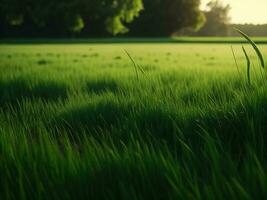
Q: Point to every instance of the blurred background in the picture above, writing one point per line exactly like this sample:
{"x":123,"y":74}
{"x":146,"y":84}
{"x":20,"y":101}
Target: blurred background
{"x":131,"y":18}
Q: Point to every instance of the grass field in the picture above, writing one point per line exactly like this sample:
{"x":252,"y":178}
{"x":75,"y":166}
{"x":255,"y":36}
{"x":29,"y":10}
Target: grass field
{"x":179,"y":40}
{"x":77,"y":122}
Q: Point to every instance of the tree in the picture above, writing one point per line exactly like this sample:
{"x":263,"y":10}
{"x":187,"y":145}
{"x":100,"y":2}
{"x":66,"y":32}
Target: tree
{"x":165,"y":17}
{"x":217,"y":19}
{"x":254,"y":30}
{"x":109,"y":15}
{"x":71,"y":16}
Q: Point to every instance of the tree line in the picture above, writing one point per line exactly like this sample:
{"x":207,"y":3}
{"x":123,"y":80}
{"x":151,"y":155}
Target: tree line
{"x":218,"y":23}
{"x":67,"y":17}
{"x":105,"y":18}
{"x":97,"y":17}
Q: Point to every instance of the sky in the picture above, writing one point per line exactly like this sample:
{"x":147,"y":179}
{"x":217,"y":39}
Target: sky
{"x":246,"y":11}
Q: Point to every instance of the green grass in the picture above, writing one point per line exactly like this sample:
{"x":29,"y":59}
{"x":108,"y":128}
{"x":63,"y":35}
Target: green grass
{"x":178,"y":39}
{"x":76,"y":123}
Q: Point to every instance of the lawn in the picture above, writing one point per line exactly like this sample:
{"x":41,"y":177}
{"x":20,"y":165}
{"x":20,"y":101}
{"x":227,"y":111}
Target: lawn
{"x":79,"y":121}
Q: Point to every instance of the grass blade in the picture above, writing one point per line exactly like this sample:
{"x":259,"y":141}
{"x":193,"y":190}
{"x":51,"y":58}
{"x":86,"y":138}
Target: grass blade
{"x":253,"y":44}
{"x":248,"y":64}
{"x":135,"y":66}
{"x":141,"y":69}
{"x":237,"y":67}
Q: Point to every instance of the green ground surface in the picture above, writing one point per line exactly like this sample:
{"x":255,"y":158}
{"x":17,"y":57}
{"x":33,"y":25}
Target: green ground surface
{"x":194,"y":40}
{"x":77,"y":122}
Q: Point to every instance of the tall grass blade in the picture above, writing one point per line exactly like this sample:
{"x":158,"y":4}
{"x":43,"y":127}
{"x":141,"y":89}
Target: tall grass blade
{"x":253,"y":44}
{"x":237,"y":67}
{"x":135,"y":65}
{"x":141,"y":69}
{"x":248,"y":64}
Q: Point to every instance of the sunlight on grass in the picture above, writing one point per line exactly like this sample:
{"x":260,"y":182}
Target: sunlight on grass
{"x":77,"y":124}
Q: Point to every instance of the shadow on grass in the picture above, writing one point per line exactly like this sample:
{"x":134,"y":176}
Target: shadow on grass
{"x":92,"y":117}
{"x":232,"y":126}
{"x":14,"y":91}
{"x":101,"y":86}
{"x":114,"y":176}
{"x":156,"y":122}
{"x":118,"y":121}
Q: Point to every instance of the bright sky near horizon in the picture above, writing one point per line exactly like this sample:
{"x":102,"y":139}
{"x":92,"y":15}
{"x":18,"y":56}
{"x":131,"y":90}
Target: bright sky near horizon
{"x":246,"y":11}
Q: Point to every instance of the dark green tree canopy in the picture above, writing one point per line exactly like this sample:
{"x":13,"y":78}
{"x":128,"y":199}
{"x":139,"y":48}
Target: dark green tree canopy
{"x":98,"y":17}
{"x":71,"y":15}
{"x":165,"y":17}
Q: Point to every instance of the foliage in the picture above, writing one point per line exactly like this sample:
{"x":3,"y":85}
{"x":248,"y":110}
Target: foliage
{"x":165,"y":17}
{"x":255,"y":30}
{"x":217,"y":19}
{"x":98,"y":18}
{"x":59,"y":17}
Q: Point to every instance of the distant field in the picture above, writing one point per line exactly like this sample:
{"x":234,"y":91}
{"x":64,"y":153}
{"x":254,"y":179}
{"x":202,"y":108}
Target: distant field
{"x":260,"y":40}
{"x":79,"y":121}
{"x":208,"y":40}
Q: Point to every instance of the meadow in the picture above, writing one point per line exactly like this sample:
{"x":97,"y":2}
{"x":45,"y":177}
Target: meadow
{"x":79,"y":121}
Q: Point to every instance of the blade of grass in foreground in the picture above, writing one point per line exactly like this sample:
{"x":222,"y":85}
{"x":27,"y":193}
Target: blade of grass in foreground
{"x":253,"y":44}
{"x":248,"y":64}
{"x":237,"y":67}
